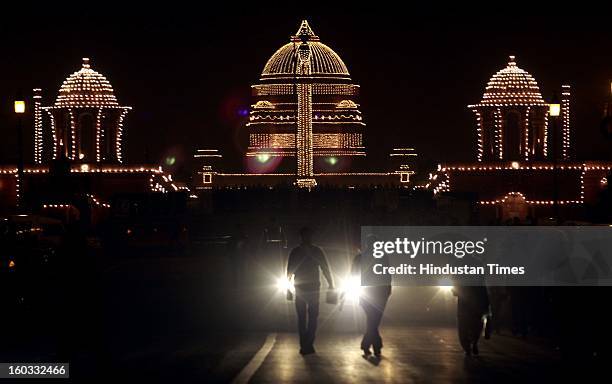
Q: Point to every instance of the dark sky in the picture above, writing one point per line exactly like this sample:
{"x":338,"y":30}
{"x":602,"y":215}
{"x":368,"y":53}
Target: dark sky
{"x":187,"y":74}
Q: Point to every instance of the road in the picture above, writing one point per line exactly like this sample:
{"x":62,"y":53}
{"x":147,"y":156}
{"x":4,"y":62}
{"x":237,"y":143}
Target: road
{"x":162,"y":320}
{"x":199,"y":330}
{"x":410,"y":355}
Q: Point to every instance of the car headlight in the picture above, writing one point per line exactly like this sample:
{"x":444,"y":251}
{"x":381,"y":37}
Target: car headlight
{"x":284,"y":284}
{"x":446,"y":286}
{"x":351,"y":288}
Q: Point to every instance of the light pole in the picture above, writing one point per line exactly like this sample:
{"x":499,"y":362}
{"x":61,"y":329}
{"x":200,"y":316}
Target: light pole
{"x":20,"y":108}
{"x":554,"y":110}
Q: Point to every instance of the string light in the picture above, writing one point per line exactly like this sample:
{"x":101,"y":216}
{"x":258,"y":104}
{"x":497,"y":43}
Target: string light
{"x":87,"y":92}
{"x":294,"y":112}
{"x":305,"y":108}
{"x":565,"y":121}
{"x":511,"y":90}
{"x":38,"y":126}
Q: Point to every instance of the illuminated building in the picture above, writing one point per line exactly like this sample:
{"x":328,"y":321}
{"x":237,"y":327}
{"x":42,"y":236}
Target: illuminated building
{"x":523,"y":165}
{"x":86,"y":121}
{"x":305,"y":125}
{"x":78,"y":150}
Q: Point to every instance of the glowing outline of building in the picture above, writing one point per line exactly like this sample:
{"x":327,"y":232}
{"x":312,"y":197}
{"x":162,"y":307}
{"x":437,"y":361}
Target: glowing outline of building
{"x":533,"y":176}
{"x":305,"y":126}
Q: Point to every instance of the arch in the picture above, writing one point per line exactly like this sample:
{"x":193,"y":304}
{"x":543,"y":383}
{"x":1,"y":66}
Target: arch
{"x":512,"y":135}
{"x":86,"y":148}
{"x":488,"y":135}
{"x":514,"y":205}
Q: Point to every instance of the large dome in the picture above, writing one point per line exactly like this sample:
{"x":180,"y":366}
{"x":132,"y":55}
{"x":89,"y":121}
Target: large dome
{"x":86,"y":88}
{"x":512,"y":86}
{"x":324,"y":60}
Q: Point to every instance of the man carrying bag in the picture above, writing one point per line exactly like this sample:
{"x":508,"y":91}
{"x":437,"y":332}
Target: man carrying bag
{"x":303,"y":266}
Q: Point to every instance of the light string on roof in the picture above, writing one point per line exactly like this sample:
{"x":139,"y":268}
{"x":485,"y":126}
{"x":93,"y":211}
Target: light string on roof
{"x":87,"y":92}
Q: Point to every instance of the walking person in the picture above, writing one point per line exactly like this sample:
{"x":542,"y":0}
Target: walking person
{"x":373,"y":300}
{"x":472,"y":306}
{"x":303,"y":266}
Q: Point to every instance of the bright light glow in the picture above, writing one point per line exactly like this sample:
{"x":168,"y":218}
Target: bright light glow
{"x":81,"y":156}
{"x":19,"y":106}
{"x":351,"y":289}
{"x":284,"y":284}
{"x":11,"y":264}
{"x":515,"y":165}
{"x":262,"y":158}
{"x":554,"y":109}
{"x":84,"y":168}
{"x":332,"y":160}
{"x":445,"y":288}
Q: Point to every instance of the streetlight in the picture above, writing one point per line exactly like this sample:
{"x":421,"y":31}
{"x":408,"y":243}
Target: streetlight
{"x":554,"y":110}
{"x":20,"y":107}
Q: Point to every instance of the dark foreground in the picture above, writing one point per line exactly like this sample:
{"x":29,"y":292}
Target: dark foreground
{"x":180,"y":320}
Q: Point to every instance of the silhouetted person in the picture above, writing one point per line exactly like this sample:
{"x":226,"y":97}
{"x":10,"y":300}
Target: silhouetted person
{"x":472,"y":305}
{"x":304,"y":263}
{"x":373,"y":299}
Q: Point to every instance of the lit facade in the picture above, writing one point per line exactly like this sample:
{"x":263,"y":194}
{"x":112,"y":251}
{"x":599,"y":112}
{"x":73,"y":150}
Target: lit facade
{"x":78,"y":150}
{"x":512,"y":117}
{"x":305,"y":116}
{"x":86,"y":121}
{"x":305,"y":125}
{"x":523,"y":164}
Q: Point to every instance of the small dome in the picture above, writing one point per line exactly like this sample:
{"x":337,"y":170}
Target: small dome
{"x":86,"y":88}
{"x":324,"y":61}
{"x":512,"y":86}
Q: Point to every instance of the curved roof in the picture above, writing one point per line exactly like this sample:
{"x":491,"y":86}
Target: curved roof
{"x":86,"y":88}
{"x":323,"y":61}
{"x":512,"y":86}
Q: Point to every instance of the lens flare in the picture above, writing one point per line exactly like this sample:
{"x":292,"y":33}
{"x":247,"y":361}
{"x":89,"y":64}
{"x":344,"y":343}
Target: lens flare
{"x":446,"y":286}
{"x":262,"y":158}
{"x":351,"y":288}
{"x":263,"y":163}
{"x":284,"y":284}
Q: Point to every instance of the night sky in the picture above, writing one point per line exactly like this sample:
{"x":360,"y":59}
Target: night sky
{"x":188,"y":74}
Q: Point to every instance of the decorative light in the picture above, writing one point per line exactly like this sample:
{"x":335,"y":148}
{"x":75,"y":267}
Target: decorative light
{"x":510,"y":90}
{"x":86,"y":92}
{"x":303,"y":94}
{"x":565,"y":121}
{"x":38,"y":126}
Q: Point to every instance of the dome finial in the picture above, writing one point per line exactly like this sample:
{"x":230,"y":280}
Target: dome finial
{"x":86,"y":62}
{"x":305,"y":33}
{"x":511,"y":60}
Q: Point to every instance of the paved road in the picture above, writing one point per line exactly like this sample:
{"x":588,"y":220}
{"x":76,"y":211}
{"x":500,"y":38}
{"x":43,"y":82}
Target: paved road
{"x":174,"y":320}
{"x":411,"y":355}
